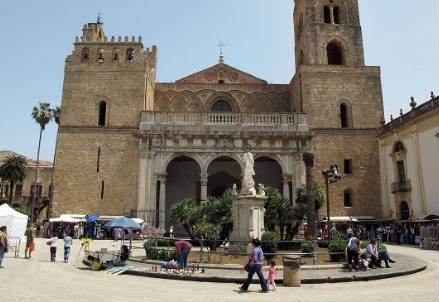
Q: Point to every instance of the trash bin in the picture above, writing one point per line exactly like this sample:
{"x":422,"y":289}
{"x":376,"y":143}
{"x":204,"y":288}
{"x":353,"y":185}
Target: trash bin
{"x":291,"y":271}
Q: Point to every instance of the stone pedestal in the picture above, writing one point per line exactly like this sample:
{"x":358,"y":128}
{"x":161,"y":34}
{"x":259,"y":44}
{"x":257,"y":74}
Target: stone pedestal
{"x":248,"y":220}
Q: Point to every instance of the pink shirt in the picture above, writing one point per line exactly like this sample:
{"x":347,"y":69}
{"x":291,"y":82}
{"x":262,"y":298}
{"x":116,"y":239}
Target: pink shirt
{"x":272,"y":271}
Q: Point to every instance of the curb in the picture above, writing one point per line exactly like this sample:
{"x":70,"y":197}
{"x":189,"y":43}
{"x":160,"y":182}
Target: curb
{"x":239,"y":280}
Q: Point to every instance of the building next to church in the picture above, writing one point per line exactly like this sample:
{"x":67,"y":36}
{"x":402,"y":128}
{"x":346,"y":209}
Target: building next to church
{"x":22,"y":193}
{"x":409,"y":159}
{"x":130,"y":145}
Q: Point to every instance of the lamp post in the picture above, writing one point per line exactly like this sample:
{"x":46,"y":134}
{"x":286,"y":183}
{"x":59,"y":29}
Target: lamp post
{"x":331,"y":175}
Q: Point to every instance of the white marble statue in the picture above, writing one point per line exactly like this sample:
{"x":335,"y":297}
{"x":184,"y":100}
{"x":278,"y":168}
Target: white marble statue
{"x":234,"y":190}
{"x":248,"y":184}
{"x":261,"y":190}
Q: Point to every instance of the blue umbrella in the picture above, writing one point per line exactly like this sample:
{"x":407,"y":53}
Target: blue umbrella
{"x":123,"y":223}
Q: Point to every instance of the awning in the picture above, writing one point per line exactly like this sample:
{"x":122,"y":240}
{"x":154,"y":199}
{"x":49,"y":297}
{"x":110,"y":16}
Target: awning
{"x":66,"y":219}
{"x":341,"y":219}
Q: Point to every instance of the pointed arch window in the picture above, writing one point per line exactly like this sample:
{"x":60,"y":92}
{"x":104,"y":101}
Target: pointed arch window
{"x":345,"y":116}
{"x":327,"y":15}
{"x":102,"y":113}
{"x":221,"y":106}
{"x":335,"y":54}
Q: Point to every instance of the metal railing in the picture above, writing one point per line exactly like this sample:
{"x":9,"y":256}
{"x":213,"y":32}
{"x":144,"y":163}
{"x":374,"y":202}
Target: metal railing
{"x":401,"y":186}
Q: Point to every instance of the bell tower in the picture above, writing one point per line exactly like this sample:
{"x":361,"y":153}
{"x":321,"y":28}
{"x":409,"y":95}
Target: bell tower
{"x":328,"y":32}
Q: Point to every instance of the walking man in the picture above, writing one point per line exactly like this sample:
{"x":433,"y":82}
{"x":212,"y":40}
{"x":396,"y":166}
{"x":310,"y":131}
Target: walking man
{"x":68,"y":241}
{"x":29,"y":241}
{"x":3,"y":243}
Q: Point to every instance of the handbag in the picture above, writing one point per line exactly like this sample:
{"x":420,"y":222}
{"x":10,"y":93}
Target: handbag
{"x":32,"y":247}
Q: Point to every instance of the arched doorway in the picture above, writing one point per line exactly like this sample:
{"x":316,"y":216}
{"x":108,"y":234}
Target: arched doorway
{"x":268,"y":172}
{"x":404,"y":210}
{"x":223,"y":173}
{"x":182,"y":181}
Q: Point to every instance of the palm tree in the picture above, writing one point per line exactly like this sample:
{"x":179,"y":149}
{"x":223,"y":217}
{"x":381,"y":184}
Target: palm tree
{"x":56,"y":117}
{"x":42,"y":114}
{"x":13,"y":170}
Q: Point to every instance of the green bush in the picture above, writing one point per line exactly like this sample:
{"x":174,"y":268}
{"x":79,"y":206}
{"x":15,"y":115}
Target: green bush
{"x":166,"y":253}
{"x":337,"y":246}
{"x":269,"y":242}
{"x":306,"y":247}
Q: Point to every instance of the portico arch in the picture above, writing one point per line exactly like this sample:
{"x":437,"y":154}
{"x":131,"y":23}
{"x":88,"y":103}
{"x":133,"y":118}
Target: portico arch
{"x":181,"y":181}
{"x":268,"y":172}
{"x":223,"y":172}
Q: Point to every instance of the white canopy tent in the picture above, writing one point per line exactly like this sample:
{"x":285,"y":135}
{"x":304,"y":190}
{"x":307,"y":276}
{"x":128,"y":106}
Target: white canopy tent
{"x":66,"y":219}
{"x":13,"y":220}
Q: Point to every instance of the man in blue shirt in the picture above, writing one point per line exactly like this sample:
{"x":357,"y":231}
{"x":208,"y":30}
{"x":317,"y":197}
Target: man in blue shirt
{"x":68,"y":241}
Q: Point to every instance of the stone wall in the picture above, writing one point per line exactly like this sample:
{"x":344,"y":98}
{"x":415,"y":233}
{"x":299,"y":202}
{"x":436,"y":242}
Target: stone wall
{"x":78,"y":184}
{"x":362,"y":148}
{"x":324,"y":88}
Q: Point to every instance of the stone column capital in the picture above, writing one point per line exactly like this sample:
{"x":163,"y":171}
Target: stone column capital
{"x":162,"y":177}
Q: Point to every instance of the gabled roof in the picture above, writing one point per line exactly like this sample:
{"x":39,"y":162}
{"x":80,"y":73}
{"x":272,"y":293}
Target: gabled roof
{"x":221,"y":73}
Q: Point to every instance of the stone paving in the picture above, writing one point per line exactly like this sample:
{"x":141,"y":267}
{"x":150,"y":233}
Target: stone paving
{"x":39,"y":280}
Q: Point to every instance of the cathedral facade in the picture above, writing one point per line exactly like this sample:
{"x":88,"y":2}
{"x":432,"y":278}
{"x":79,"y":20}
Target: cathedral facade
{"x":128,"y":145}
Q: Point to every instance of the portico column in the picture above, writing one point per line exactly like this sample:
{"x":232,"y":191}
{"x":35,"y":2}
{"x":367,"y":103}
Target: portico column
{"x":203,"y":188}
{"x":285,"y":186}
{"x":332,"y":15}
{"x":162,"y":202}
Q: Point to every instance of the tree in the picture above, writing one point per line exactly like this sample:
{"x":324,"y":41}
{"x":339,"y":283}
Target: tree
{"x":42,"y":114}
{"x":302,"y":200}
{"x":56,"y":117}
{"x":14,"y":171}
{"x":278,"y":211}
{"x":185,"y":213}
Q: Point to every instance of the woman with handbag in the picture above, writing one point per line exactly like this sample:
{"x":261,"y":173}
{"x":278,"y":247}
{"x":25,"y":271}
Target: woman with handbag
{"x":253,"y":266}
{"x":3,"y":243}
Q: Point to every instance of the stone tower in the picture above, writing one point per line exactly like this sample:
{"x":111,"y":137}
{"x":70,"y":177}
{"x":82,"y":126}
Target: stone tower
{"x":342,"y":98}
{"x":107,"y":83}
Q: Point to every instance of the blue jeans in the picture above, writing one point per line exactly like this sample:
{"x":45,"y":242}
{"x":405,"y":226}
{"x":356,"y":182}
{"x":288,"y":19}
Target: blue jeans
{"x":182,"y":261}
{"x":52,"y":254}
{"x":2,"y":254}
{"x":66,"y":253}
{"x":258,"y":270}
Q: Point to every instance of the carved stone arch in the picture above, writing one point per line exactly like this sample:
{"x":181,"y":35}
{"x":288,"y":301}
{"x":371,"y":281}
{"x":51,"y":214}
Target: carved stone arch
{"x":193,"y":102}
{"x":247,"y":104}
{"x":263,"y":102}
{"x":170,"y":157}
{"x":161,"y":102}
{"x":205,"y":94}
{"x":221,"y":96}
{"x":345,"y":114}
{"x":212,"y":157}
{"x":278,"y":159}
{"x":178,"y":104}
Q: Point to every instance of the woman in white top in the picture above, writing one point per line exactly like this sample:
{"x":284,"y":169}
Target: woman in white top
{"x":52,"y":243}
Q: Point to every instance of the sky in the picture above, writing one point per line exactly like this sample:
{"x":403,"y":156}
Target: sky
{"x":401,"y":36}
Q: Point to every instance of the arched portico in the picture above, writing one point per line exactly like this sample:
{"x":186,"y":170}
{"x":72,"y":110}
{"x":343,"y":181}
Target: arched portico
{"x":222,"y":173}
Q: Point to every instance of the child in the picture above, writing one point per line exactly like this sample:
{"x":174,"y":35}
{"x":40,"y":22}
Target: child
{"x":272,"y":271}
{"x":364,"y":264}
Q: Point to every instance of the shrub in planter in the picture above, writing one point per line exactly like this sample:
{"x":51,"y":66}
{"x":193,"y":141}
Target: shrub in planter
{"x":269,"y":242}
{"x":306,"y":247}
{"x":337,"y":246}
{"x":154,"y":253}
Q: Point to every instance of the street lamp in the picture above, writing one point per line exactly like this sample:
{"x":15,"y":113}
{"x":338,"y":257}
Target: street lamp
{"x":331,"y":175}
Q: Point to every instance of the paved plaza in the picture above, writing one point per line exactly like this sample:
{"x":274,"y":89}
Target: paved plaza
{"x":40,"y":280}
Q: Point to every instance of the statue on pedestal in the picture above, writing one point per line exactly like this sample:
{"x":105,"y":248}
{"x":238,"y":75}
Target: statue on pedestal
{"x":248,"y":184}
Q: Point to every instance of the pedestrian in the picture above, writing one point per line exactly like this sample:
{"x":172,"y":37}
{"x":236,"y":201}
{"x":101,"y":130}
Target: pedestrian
{"x":3,"y":244}
{"x":253,"y":266}
{"x":29,"y":242}
{"x":353,"y":251}
{"x":183,"y":249}
{"x":272,"y":272}
{"x":52,"y":243}
{"x":68,"y":241}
